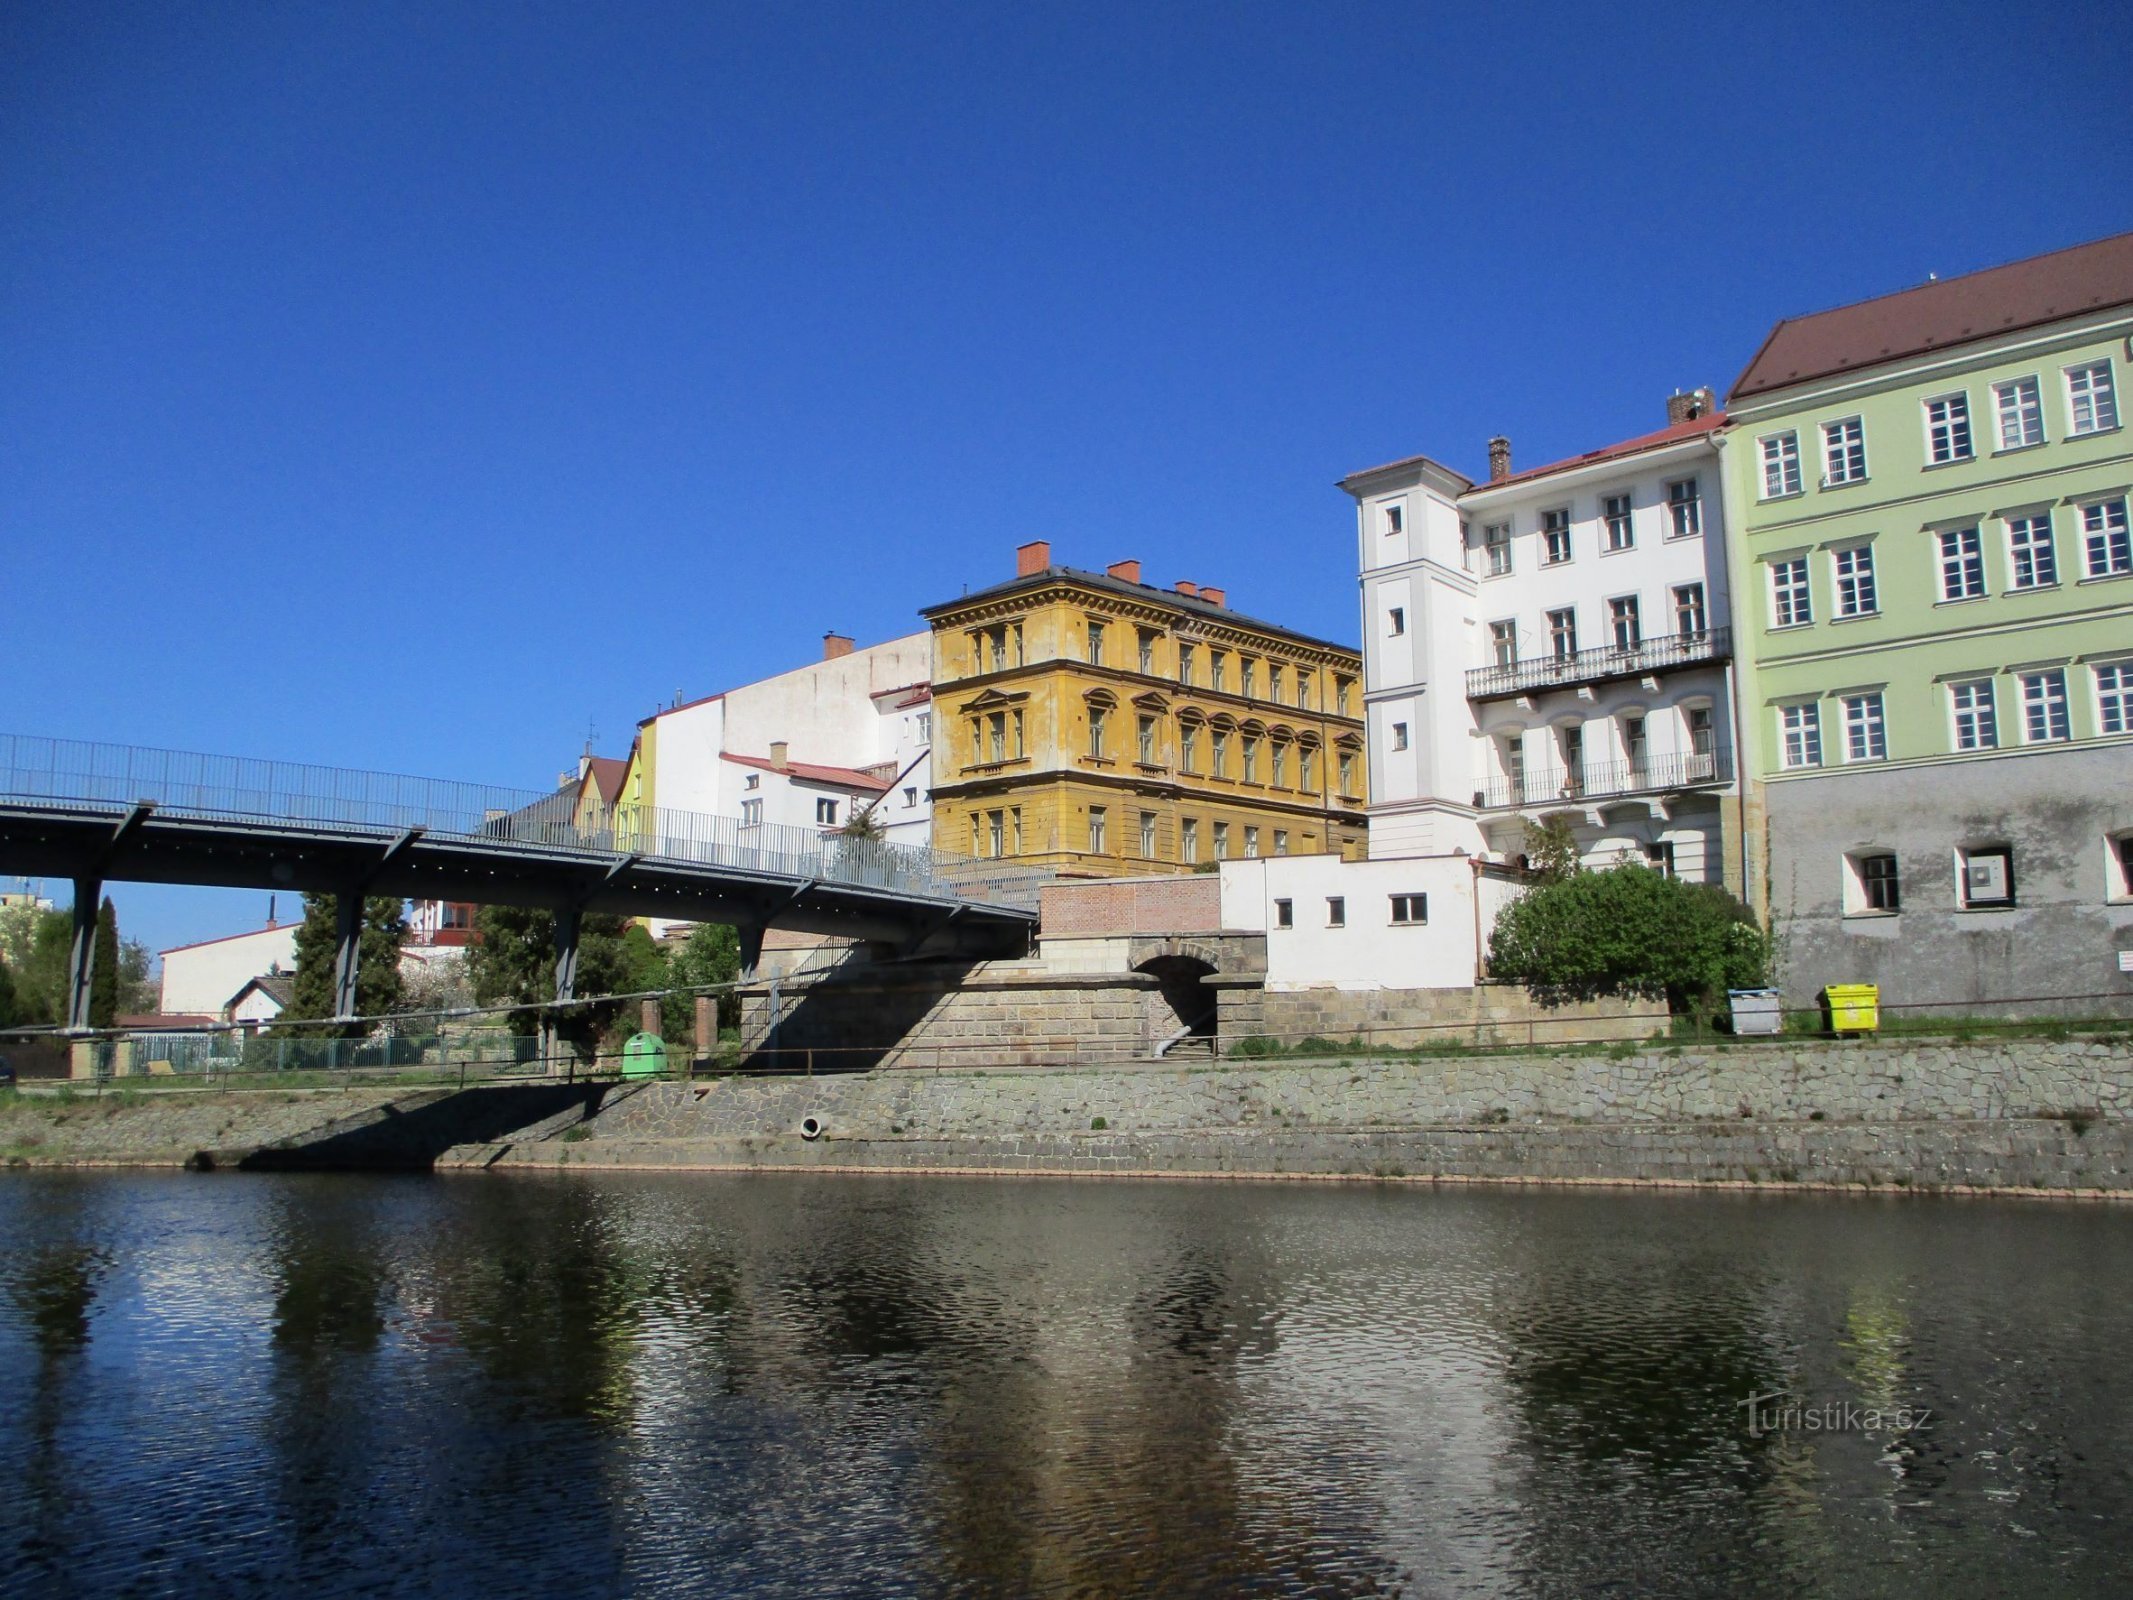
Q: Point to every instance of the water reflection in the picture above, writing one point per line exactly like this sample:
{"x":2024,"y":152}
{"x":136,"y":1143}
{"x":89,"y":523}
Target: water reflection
{"x":799,"y":1386}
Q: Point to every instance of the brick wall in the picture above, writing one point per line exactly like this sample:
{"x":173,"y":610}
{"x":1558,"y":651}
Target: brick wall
{"x":1190,"y":904}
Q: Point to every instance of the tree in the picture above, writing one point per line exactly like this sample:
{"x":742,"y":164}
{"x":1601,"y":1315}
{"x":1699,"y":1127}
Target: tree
{"x":712,"y":954}
{"x":104,"y":974}
{"x":384,"y":924}
{"x":1552,"y":852}
{"x":43,"y":985}
{"x":10,"y":1009}
{"x":513,"y":963}
{"x":137,"y":990}
{"x":1632,"y":932}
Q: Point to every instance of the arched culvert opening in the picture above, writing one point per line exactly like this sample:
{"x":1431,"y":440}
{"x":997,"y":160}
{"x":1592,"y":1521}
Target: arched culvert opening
{"x":1186,"y":1014}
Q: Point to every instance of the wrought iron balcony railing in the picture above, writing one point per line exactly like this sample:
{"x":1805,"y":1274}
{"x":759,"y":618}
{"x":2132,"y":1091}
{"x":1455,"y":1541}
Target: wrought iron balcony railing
{"x":1604,"y":780}
{"x":1657,"y":654}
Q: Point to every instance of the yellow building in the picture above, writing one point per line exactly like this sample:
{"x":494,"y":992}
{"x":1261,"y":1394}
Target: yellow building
{"x":1098,"y":725}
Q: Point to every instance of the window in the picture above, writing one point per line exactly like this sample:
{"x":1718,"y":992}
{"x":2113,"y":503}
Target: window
{"x":1700,"y":731}
{"x":1555,"y":537}
{"x":1635,"y":746}
{"x":2122,"y":853}
{"x":1281,"y":841}
{"x":1185,"y":663}
{"x":1147,"y":741}
{"x":1097,"y":717}
{"x":1622,"y":618}
{"x":1514,"y":768}
{"x":1976,"y":725}
{"x":1948,"y":429}
{"x":1788,"y":593}
{"x":1855,"y":581}
{"x":2114,"y":697}
{"x":1689,"y":614}
{"x":1399,"y":736}
{"x":1496,"y":541}
{"x":1096,"y":644}
{"x":1336,"y":911}
{"x":1189,"y":747}
{"x":1306,"y":768}
{"x":2103,"y":539}
{"x":2044,"y":713}
{"x":996,"y":736}
{"x":1273,"y":680}
{"x":2091,"y":403}
{"x":1563,"y":633}
{"x":1303,"y":690}
{"x":1347,"y":768}
{"x":1341,"y":686}
{"x":1781,"y":465}
{"x":1466,"y":546}
{"x":1097,"y":819}
{"x":1962,"y":565}
{"x":1248,"y":671}
{"x":910,"y":798}
{"x":2020,"y":409}
{"x":1395,"y":518}
{"x":1988,"y":876}
{"x":1843,"y":452}
{"x":1571,"y":741}
{"x":1409,"y":910}
{"x":996,"y":833}
{"x":1251,"y":844}
{"x":1217,"y":670}
{"x":2030,"y":556}
{"x":996,"y":649}
{"x":1684,"y":509}
{"x":826,"y":813}
{"x":755,"y":781}
{"x":1221,"y":841}
{"x":1880,"y":889}
{"x":1220,"y":741}
{"x":1801,"y":726}
{"x":1503,"y":643}
{"x":1189,"y":839}
{"x":1395,"y":624}
{"x":1659,"y":856}
{"x":1284,"y":913}
{"x":1251,"y":758}
{"x":925,"y":727}
{"x":1865,"y":734}
{"x":1280,"y":762}
{"x":1147,"y":654}
{"x":1147,"y":835}
{"x":1614,"y":511}
{"x":751,"y":813}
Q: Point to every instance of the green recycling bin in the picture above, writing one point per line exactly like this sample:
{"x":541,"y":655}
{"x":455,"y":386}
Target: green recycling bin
{"x":645,"y":1056}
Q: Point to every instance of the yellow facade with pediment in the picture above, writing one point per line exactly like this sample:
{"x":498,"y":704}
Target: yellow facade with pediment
{"x":1099,"y":726}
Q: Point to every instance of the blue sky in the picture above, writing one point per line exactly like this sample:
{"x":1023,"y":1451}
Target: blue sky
{"x":414,"y":386}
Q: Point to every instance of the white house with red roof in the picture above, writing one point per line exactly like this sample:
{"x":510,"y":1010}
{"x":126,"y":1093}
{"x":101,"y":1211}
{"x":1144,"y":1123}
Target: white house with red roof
{"x":1554,"y":641}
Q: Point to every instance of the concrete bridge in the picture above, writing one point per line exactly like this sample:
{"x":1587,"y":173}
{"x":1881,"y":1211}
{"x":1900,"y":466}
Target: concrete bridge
{"x":98,"y":813}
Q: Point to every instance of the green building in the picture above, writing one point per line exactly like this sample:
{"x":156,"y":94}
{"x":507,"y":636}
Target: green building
{"x":1927,"y":499}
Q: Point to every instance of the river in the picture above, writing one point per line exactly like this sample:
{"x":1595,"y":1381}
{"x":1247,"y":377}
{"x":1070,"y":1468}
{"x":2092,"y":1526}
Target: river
{"x":782,"y":1385}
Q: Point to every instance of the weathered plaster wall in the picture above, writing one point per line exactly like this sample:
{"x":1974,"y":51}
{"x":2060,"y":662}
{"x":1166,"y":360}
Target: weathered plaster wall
{"x":2062,"y":938}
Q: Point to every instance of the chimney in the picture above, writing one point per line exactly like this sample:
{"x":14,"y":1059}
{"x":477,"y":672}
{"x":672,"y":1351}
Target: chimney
{"x":1188,"y":589}
{"x":1033,"y":558}
{"x":1499,"y":459}
{"x":1687,"y":407}
{"x":835,"y":645}
{"x":778,"y":749}
{"x":1124,"y":571}
{"x":1212,"y":596}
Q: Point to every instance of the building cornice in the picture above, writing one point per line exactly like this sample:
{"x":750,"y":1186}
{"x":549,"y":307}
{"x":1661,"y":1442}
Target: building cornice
{"x":1486,"y":497}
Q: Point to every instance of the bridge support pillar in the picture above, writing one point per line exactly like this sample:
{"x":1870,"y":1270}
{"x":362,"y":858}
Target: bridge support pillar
{"x":751,"y":949}
{"x":566,"y":979}
{"x":81,"y":958}
{"x":347,"y":952}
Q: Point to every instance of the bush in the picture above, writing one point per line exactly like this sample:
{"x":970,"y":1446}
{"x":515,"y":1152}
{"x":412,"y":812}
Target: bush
{"x":1634,"y":933}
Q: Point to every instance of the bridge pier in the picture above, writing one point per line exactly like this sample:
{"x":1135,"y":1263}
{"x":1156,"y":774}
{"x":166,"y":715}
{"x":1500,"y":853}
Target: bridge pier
{"x":347,"y":952}
{"x":751,"y":936}
{"x":81,"y":958}
{"x":566,"y":979}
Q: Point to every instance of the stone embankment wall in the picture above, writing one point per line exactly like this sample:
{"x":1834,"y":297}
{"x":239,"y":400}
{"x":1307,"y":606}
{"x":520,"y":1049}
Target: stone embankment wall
{"x":1491,"y":1015}
{"x":2031,"y":1114}
{"x":167,"y":1126}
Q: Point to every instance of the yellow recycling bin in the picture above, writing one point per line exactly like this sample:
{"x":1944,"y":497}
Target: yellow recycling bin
{"x":1853,"y":1007}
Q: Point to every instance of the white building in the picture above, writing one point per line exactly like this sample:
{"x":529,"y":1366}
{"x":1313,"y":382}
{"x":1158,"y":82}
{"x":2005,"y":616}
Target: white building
{"x":1412,"y":923}
{"x":201,"y":979}
{"x":807,"y":748}
{"x":1555,"y":641}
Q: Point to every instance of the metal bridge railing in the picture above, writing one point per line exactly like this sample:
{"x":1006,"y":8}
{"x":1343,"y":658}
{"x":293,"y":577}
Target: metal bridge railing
{"x":190,"y":784}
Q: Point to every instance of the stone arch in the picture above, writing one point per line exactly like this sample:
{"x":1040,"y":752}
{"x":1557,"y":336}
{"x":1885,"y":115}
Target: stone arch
{"x":1183,"y":1010}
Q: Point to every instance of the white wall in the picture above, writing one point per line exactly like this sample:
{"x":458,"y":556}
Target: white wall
{"x":199,"y":979}
{"x":825,"y":711}
{"x":1370,"y":951}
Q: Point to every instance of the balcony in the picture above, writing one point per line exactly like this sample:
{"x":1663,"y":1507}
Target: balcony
{"x":1606,"y":781}
{"x":1659,"y":654}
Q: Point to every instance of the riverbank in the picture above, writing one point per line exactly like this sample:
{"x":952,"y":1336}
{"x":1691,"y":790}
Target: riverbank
{"x":2009,"y":1116}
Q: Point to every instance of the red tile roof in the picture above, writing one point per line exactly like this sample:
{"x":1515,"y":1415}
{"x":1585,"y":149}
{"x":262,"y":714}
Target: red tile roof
{"x":606,"y":774}
{"x":1711,"y":422}
{"x":808,"y":772}
{"x":1937,"y":316}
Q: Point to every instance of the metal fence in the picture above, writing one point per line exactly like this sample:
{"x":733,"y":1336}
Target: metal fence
{"x":1595,"y":780}
{"x":191,"y":784}
{"x":1657,"y":654}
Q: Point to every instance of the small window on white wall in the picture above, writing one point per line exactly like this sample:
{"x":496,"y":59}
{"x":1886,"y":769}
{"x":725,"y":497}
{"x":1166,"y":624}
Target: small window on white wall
{"x":1396,"y":621}
{"x":1409,"y":910}
{"x":1399,"y":736}
{"x":2122,"y":867}
{"x":1395,"y":518}
{"x":1284,"y":913}
{"x":1985,"y":877}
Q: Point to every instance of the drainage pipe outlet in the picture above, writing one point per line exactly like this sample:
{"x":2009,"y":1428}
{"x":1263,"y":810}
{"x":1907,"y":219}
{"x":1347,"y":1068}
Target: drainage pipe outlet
{"x":810,"y":1128}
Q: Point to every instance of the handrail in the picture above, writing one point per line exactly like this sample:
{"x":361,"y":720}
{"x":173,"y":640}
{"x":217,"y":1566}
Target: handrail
{"x":1600,"y":780}
{"x":1602,"y":661}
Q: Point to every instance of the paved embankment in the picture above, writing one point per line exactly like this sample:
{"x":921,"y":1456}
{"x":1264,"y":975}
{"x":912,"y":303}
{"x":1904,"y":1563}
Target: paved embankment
{"x":2007,"y":1115}
{"x":2032,"y":1114}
